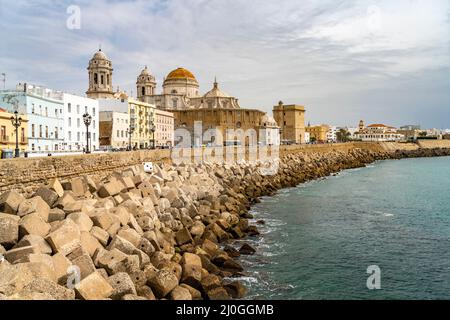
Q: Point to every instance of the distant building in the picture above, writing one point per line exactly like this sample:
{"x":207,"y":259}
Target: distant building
{"x":332,"y":134}
{"x":291,"y":120}
{"x":307,"y":137}
{"x":410,"y":127}
{"x":8,"y":132}
{"x":269,"y":132}
{"x":100,"y":77}
{"x":164,"y":129}
{"x":114,"y":128}
{"x":318,"y":133}
{"x":379,"y":132}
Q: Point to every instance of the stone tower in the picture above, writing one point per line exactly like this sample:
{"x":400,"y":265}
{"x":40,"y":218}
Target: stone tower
{"x":361,"y":126}
{"x":145,"y":86}
{"x":100,"y":77}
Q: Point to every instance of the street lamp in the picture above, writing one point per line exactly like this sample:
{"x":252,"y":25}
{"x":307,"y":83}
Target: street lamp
{"x":87,"y":119}
{"x":16,"y":122}
{"x":153,"y":129}
{"x":130,"y":131}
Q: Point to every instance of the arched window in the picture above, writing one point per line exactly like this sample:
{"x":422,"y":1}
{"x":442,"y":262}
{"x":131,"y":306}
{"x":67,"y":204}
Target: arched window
{"x":143,"y":91}
{"x":107,"y":79}
{"x":238,"y":124}
{"x":174,"y":91}
{"x":101,"y":79}
{"x":95,"y":78}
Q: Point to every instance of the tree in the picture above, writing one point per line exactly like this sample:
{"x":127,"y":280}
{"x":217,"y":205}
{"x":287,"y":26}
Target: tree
{"x":343,"y":135}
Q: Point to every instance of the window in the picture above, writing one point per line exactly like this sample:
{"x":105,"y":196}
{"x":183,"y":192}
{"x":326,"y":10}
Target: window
{"x":78,"y":109}
{"x":46,"y":111}
{"x":32,"y":108}
{"x":85,"y":109}
{"x":40,"y":131}
{"x":95,"y":78}
{"x":46,"y":132}
{"x":70,"y":122}
{"x":175,"y":102}
{"x":69,"y":107}
{"x":78,"y":122}
{"x":121,"y":133}
{"x":70,"y":135}
{"x":78,"y":136}
{"x":93,"y":124}
{"x":32,"y":130}
{"x":32,"y":147}
{"x":143,"y":91}
{"x":3,"y":133}
{"x":107,"y":79}
{"x":56,"y":132}
{"x":93,"y":111}
{"x":118,"y":134}
{"x":56,"y":113}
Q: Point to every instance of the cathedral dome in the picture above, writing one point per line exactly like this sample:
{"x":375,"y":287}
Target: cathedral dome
{"x":145,"y":72}
{"x":100,"y":55}
{"x":215,"y":92}
{"x":180,"y":73}
{"x":268,"y":121}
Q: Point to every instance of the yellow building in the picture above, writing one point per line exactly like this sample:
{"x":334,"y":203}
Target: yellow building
{"x":142,"y":118}
{"x":291,"y":120}
{"x":318,"y":133}
{"x":8,"y":132}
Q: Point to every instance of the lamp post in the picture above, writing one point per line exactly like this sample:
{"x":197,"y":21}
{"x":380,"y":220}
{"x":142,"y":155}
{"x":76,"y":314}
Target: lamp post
{"x":153,"y":129}
{"x":130,"y":131}
{"x":87,"y":119}
{"x":16,"y":122}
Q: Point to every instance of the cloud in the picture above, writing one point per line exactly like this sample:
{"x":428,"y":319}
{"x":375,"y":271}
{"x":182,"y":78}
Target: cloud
{"x":344,"y":60}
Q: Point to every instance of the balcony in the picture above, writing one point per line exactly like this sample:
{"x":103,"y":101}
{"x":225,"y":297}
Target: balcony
{"x":4,"y":139}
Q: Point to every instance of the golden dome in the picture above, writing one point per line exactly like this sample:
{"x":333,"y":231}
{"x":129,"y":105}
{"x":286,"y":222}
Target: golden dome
{"x":181,"y":73}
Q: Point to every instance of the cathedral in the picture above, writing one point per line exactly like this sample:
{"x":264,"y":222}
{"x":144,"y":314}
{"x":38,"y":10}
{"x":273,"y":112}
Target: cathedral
{"x":181,"y":96}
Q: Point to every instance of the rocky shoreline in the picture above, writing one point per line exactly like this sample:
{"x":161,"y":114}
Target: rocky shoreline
{"x":136,"y":235}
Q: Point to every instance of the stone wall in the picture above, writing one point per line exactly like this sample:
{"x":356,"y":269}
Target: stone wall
{"x":432,"y":144}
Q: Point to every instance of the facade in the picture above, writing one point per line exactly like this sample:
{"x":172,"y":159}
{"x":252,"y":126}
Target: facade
{"x":307,"y":137}
{"x":332,"y":134}
{"x":164,"y":129}
{"x":44,"y":108}
{"x":269,"y":132}
{"x":100,"y":77}
{"x":74,"y":128}
{"x":379,"y":132}
{"x":291,"y":119}
{"x":114,"y":128}
{"x":8,"y":132}
{"x":318,"y":133}
{"x":142,"y":117}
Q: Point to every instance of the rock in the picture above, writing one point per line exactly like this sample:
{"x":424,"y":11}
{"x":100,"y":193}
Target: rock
{"x":218,"y":293}
{"x":65,"y":237}
{"x":232,"y":252}
{"x":89,"y":243}
{"x":101,"y":235}
{"x":113,"y":261}
{"x":21,"y":254}
{"x":61,"y":265}
{"x":163,"y":282}
{"x":56,"y":214}
{"x":236,"y":290}
{"x":9,"y":229}
{"x":94,"y":287}
{"x":56,"y":291}
{"x":122,"y":285}
{"x":78,"y":187}
{"x":197,"y":229}
{"x":85,"y":264}
{"x":33,"y":224}
{"x":56,"y":186}
{"x":146,"y":292}
{"x":40,"y":258}
{"x":130,"y":235}
{"x":105,"y":220}
{"x":34,"y":205}
{"x":132,"y":297}
{"x":183,"y":236}
{"x":65,"y":200}
{"x":109,"y":189}
{"x":122,"y":214}
{"x":10,"y":201}
{"x":180,"y":293}
{"x":210,"y":282}
{"x":210,"y":247}
{"x":195,"y":294}
{"x":247,"y":249}
{"x":82,"y":220}
{"x":48,"y":195}
{"x":35,"y":241}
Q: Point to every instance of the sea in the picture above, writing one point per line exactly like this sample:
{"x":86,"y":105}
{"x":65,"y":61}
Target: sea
{"x":379,"y":232}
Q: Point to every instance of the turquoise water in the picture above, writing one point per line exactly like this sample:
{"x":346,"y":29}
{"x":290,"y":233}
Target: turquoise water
{"x":320,"y":237}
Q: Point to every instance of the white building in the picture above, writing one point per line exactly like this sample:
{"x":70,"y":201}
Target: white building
{"x":307,"y":137}
{"x":379,"y":132}
{"x":114,"y":129}
{"x":332,"y":134}
{"x":269,"y":132}
{"x":74,"y":128}
{"x":164,"y":128}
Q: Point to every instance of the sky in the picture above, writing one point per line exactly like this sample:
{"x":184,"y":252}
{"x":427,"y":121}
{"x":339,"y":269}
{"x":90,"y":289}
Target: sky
{"x":380,"y":61}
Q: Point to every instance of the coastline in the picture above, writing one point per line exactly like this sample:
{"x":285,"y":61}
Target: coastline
{"x":166,"y":233}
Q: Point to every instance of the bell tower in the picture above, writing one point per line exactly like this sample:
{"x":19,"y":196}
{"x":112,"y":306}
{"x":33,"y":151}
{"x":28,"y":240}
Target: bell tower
{"x":100,"y":77}
{"x":145,"y":85}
